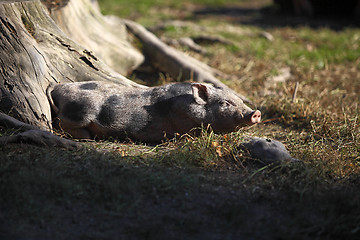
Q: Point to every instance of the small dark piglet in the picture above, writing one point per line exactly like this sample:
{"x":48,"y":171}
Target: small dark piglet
{"x":98,"y":109}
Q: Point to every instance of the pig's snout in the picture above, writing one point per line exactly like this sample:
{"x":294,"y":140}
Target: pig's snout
{"x":255,"y":117}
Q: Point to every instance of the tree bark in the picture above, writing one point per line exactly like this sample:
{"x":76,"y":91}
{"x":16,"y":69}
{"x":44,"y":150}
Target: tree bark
{"x":107,"y":37}
{"x":36,"y":52}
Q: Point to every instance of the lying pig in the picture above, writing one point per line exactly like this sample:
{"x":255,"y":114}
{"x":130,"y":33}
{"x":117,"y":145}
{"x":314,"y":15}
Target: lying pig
{"x":103,"y":110}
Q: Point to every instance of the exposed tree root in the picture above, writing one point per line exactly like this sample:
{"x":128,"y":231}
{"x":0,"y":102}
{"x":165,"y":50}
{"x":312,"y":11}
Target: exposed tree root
{"x":186,"y":42}
{"x":177,"y":64}
{"x":33,"y":135}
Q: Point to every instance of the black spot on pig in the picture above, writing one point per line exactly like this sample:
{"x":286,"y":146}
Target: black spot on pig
{"x":107,"y":113}
{"x":88,"y":86}
{"x":75,"y":111}
{"x":138,"y":117}
{"x":162,"y":108}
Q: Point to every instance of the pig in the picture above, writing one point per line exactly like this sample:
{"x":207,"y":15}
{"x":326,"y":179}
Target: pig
{"x":103,"y":110}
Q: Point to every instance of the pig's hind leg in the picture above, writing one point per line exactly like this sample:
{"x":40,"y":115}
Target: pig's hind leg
{"x":80,"y":133}
{"x":74,"y":131}
{"x":90,"y":131}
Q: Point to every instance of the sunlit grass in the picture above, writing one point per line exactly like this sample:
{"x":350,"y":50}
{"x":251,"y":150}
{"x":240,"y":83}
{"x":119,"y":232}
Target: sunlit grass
{"x":142,"y":7}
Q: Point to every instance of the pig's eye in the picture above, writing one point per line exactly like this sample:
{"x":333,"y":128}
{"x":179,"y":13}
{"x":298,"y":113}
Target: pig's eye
{"x":228,"y":103}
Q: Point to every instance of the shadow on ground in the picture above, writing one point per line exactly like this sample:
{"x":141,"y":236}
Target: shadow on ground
{"x":94,"y":195}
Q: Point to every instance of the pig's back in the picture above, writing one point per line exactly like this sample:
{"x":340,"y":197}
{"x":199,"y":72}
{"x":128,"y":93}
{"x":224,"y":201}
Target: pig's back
{"x":82,"y":102}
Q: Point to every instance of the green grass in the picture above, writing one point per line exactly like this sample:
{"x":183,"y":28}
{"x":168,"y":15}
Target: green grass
{"x":143,"y":7}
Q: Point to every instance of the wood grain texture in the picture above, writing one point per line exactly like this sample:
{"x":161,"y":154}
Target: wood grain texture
{"x":35,"y":52}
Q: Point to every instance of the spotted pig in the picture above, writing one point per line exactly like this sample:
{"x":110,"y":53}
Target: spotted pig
{"x":103,"y":110}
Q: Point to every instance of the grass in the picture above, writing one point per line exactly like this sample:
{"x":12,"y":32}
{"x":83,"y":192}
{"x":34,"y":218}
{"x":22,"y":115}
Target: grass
{"x":207,"y":187}
{"x":144,"y":7}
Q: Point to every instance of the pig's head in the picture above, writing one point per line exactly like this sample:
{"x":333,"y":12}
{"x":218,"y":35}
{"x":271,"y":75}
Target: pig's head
{"x":224,"y":111}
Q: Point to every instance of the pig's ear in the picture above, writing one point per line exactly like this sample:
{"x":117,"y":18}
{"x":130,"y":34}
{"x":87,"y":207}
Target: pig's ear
{"x":201,"y":93}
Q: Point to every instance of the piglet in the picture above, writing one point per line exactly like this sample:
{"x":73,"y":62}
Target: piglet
{"x":103,"y":110}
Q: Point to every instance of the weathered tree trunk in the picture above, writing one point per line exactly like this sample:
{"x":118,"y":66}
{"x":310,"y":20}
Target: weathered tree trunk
{"x":105,"y":36}
{"x":36,"y":52}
